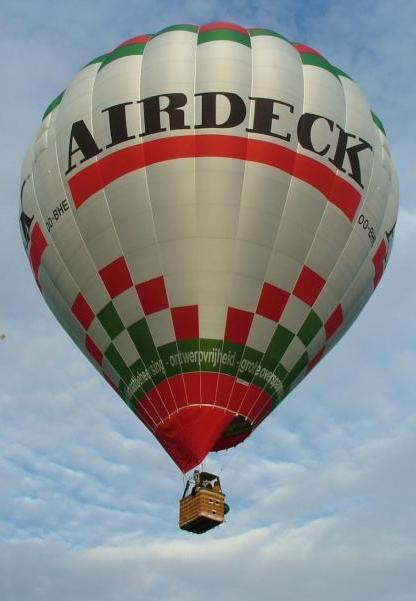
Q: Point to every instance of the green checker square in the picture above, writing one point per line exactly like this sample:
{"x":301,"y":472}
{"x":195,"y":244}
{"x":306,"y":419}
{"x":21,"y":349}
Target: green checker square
{"x":310,"y":328}
{"x":137,"y":367}
{"x":296,"y":371}
{"x":276,"y":400}
{"x":142,"y":338}
{"x":110,"y":321}
{"x":279,"y":344}
{"x":117,"y":362}
{"x":280,"y":372}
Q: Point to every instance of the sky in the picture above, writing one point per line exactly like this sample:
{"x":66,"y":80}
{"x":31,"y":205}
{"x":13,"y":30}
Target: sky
{"x":323,"y":494}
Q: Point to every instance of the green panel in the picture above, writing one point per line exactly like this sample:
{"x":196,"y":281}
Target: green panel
{"x":250,"y":362}
{"x":55,"y":102}
{"x":117,"y":362}
{"x":204,"y":355}
{"x":256,"y":32}
{"x":231,"y":357}
{"x":143,"y":341}
{"x":110,"y":320}
{"x":213,"y":357}
{"x":278,"y":345}
{"x":145,"y":377}
{"x":183,"y":27}
{"x":171,"y":359}
{"x":281,"y":372}
{"x":378,"y":122}
{"x":129,"y":50}
{"x":297,"y":369}
{"x":224,"y":34}
{"x":189,"y":354}
{"x":310,"y":328}
{"x":99,"y":59}
{"x":339,"y":72}
{"x":318,"y":61}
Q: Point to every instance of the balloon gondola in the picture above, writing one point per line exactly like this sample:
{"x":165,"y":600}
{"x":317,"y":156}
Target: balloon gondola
{"x":206,"y":210}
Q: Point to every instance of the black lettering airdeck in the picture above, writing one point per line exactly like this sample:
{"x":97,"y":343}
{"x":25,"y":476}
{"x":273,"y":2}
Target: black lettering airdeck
{"x":268,"y":116}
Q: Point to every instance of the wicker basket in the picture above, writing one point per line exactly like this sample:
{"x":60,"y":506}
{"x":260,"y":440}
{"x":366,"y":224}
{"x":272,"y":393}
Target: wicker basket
{"x":202,"y":511}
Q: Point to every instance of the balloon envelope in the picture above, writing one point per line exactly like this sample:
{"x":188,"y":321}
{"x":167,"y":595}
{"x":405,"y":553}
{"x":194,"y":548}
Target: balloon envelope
{"x":206,"y":211}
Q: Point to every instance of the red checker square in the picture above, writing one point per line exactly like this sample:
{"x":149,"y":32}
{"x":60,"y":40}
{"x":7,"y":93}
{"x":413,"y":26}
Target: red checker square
{"x":116,"y":277}
{"x":152,"y":295}
{"x":272,"y":302}
{"x":380,"y":254}
{"x":309,"y":285}
{"x":238,"y":325}
{"x":93,"y":350}
{"x":186,"y":322}
{"x":38,"y":244}
{"x":333,"y":322}
{"x":208,"y":387}
{"x":82,"y":311}
{"x":316,"y":360}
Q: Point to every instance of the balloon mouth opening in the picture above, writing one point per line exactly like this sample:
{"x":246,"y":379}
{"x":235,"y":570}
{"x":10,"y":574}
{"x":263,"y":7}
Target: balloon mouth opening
{"x":193,"y":431}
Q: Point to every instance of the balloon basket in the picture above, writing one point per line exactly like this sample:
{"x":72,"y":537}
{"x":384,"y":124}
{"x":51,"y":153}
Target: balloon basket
{"x":202,"y":511}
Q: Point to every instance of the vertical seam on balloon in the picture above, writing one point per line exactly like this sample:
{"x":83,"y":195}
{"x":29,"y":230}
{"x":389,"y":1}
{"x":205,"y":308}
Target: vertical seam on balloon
{"x":334,"y":175}
{"x":359,"y":209}
{"x":232,"y":270}
{"x":161,"y":266}
{"x":196,"y":204}
{"x":358,"y":305}
{"x":108,"y":207}
{"x":67,"y":193}
{"x":275,"y":240}
{"x":52,"y":244}
{"x":109,"y":213}
{"x":64,"y":318}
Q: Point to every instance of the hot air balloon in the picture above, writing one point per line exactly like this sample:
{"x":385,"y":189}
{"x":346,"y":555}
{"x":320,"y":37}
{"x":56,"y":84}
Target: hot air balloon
{"x":206,"y":210}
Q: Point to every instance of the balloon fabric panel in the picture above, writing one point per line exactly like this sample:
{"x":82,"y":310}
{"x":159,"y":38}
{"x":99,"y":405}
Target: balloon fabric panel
{"x":206,"y":211}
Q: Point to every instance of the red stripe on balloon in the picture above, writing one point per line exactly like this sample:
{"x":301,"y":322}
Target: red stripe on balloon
{"x":95,"y":177}
{"x":38,"y":245}
{"x":306,"y":49}
{"x":222,"y":25}
{"x":141,"y":39}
